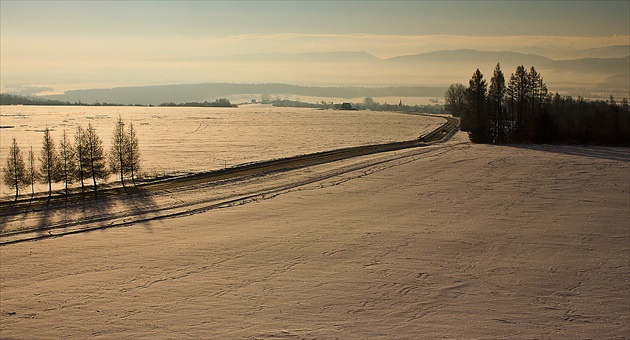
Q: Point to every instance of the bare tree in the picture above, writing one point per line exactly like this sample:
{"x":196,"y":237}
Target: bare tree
{"x":32,"y":176}
{"x":454,"y":97}
{"x":96,"y":165}
{"x":118,"y":158}
{"x":15,"y":175}
{"x":50,"y":169}
{"x":81,"y":156}
{"x":69,"y":163}
{"x":133,"y":153}
{"x":369,"y":103}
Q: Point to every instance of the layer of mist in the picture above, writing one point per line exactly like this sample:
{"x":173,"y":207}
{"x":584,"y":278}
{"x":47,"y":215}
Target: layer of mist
{"x":592,"y":73}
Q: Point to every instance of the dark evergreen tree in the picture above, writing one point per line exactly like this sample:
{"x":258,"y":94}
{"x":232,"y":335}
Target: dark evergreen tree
{"x":545,"y":128}
{"x":518,"y":92}
{"x":531,"y":120}
{"x":476,"y":109}
{"x":496,"y":96}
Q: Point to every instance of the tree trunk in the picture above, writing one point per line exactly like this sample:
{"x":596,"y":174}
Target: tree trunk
{"x":49,"y":181}
{"x":122,"y":177}
{"x":94,"y":179}
{"x":133,"y":177}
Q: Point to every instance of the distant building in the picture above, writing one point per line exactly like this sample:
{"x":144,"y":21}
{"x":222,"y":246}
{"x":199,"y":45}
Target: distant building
{"x":346,"y":106}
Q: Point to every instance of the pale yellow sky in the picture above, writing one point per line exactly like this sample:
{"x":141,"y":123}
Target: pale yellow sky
{"x":67,"y":44}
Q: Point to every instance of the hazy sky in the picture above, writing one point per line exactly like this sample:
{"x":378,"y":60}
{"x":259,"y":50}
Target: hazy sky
{"x":66,"y":43}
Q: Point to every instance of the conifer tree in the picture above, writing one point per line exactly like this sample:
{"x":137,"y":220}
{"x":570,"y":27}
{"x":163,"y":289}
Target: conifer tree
{"x":81,"y":156}
{"x":118,"y":157}
{"x":532,"y":119}
{"x":518,"y":92}
{"x":133,"y":153}
{"x":32,"y":176}
{"x":69,"y":163}
{"x":496,"y":94}
{"x":476,"y":98}
{"x":96,"y":164}
{"x":15,"y":175}
{"x":50,"y":167}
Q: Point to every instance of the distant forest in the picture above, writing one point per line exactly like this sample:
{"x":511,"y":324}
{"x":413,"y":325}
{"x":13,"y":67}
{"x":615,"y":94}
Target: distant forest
{"x":522,"y":110}
{"x":12,"y":99}
{"x":221,"y":102}
{"x":367,"y":104}
{"x":183,"y":93}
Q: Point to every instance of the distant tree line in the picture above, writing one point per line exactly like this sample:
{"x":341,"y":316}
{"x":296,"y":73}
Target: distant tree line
{"x":522,"y":110}
{"x":182,"y":93}
{"x":74,"y":160}
{"x":370,"y":104}
{"x":13,"y":99}
{"x":221,"y":102}
{"x":367,"y":104}
{"x":297,"y":103}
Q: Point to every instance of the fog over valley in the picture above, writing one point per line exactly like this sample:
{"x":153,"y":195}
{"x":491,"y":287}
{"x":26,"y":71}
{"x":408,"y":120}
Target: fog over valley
{"x":57,"y":47}
{"x":400,"y":169}
{"x":592,"y":77}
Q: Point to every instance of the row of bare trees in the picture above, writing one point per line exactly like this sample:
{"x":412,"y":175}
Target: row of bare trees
{"x":522,"y":110}
{"x":76,"y":160}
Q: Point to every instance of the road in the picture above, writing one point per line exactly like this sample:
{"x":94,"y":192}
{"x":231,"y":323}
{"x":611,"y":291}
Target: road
{"x":30,"y":219}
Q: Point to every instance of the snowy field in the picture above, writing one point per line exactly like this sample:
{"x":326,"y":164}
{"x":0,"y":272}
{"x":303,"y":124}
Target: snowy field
{"x":449,"y":241}
{"x":182,"y":140}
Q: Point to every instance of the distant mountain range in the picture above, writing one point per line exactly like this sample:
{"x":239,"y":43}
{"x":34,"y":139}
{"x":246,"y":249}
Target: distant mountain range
{"x":613,"y":55}
{"x":471,"y":56}
{"x":311,"y":57}
{"x":560,"y":53}
{"x":594,"y":71}
{"x":604,"y":65}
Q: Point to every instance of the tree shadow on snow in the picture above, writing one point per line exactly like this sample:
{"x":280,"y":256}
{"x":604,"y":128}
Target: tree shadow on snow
{"x":141,"y":206}
{"x":620,"y":154}
{"x":86,"y":211}
{"x":92,"y":208}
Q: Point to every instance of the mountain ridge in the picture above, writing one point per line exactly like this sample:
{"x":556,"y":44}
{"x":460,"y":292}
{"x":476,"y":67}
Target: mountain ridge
{"x":180,"y":93}
{"x":449,"y":66}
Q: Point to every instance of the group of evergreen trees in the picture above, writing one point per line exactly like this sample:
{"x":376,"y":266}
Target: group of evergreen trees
{"x":523,"y":111}
{"x":77,"y":160}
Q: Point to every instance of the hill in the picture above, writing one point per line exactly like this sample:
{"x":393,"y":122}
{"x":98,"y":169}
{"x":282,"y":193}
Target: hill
{"x":418,"y":75}
{"x":181,"y":93}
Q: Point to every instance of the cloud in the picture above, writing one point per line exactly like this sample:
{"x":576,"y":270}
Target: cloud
{"x":120,"y":60}
{"x":386,"y":46}
{"x":25,"y":90}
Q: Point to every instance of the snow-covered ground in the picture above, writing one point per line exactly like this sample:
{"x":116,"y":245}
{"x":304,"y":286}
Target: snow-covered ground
{"x":454,"y":240}
{"x":181,"y":140}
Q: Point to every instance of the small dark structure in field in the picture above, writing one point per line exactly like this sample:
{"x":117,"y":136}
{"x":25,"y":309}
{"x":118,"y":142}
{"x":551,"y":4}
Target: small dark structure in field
{"x":346,"y":106}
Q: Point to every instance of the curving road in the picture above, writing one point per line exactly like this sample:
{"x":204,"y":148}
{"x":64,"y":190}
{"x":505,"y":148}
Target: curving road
{"x":144,"y":196}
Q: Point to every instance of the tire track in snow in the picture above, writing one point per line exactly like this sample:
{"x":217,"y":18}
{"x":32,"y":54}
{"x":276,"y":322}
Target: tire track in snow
{"x":205,"y":180}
